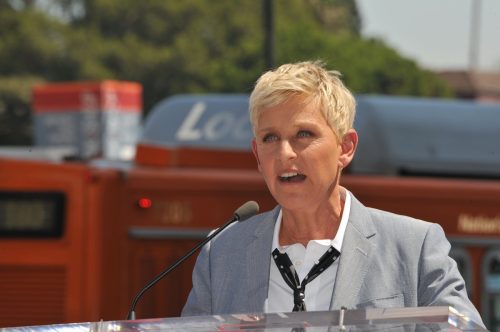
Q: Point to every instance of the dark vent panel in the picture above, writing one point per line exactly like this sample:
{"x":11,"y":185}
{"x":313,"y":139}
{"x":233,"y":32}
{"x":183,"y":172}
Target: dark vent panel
{"x":31,"y":295}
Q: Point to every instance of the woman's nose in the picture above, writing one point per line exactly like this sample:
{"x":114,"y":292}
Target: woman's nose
{"x":287,"y":151}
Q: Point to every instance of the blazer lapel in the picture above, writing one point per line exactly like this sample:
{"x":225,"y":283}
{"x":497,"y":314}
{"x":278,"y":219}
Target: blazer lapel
{"x":259,"y":259}
{"x":354,"y":258}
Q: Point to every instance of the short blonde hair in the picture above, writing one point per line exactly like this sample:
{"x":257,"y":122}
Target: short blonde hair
{"x":307,"y":79}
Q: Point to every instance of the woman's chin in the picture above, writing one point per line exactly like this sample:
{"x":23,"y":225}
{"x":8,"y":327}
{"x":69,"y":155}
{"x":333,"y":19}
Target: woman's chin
{"x":295,"y":203}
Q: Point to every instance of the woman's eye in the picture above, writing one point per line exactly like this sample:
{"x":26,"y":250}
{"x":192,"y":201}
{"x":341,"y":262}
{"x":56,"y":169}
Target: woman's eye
{"x":304,"y":133}
{"x":270,"y":138}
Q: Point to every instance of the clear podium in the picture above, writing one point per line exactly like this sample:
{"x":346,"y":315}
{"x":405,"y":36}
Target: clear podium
{"x":393,"y":319}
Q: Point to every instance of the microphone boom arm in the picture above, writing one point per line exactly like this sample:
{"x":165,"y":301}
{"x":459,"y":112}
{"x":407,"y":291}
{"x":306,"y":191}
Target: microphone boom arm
{"x":245,"y":211}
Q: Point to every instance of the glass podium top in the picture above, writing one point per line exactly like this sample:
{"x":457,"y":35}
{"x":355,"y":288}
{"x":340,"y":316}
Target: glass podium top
{"x":374,"y":319}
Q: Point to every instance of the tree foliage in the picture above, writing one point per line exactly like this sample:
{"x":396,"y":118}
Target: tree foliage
{"x":15,"y":115}
{"x":194,"y":46}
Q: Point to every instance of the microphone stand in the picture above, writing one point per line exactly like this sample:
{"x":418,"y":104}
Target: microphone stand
{"x":242,"y":213}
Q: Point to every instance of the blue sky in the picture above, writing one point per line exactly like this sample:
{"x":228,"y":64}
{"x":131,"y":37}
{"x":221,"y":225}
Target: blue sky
{"x":436,"y":33}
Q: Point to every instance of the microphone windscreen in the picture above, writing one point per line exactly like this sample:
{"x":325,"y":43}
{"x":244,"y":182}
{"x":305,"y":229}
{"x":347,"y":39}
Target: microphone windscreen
{"x":247,"y":210}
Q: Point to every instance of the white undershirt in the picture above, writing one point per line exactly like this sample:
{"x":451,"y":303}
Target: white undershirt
{"x":318,"y":294}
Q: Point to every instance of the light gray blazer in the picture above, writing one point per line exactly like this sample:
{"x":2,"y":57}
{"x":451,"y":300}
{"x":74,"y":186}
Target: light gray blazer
{"x":386,"y":260}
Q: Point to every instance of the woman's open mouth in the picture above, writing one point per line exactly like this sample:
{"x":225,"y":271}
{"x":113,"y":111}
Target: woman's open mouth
{"x":291,"y":177}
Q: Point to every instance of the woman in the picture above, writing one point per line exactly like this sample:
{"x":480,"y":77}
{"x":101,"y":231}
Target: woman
{"x":320,"y":248}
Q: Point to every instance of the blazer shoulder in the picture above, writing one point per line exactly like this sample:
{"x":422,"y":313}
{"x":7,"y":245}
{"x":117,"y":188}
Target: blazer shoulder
{"x":385,"y":219}
{"x":243,"y":231}
{"x":370,"y":221}
{"x":403,"y":229}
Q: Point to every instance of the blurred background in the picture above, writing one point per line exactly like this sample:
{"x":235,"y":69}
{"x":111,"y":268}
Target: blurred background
{"x":83,"y":229}
{"x":418,"y":48}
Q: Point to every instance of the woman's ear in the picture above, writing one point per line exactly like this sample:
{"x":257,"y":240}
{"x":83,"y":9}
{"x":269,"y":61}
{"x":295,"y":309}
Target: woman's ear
{"x":348,"y":147}
{"x":256,"y":154}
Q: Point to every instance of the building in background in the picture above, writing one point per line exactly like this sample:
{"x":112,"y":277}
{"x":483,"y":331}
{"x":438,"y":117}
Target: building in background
{"x":483,"y":86}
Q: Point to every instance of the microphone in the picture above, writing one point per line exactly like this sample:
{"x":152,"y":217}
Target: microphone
{"x":242,"y":213}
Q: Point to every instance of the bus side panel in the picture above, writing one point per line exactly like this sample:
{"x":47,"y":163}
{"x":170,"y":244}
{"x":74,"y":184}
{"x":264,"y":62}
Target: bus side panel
{"x":105,"y":241}
{"x":40,"y":278}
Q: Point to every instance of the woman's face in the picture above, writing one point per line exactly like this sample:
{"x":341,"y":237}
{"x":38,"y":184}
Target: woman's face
{"x":299,"y":154}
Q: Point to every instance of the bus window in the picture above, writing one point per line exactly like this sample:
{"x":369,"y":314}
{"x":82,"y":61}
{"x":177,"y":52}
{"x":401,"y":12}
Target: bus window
{"x":464,"y":264}
{"x":491,"y":290}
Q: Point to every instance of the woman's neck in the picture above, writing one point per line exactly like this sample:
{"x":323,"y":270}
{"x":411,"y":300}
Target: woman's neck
{"x":315,"y":224}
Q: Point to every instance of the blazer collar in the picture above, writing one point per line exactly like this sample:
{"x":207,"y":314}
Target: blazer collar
{"x":356,"y":251}
{"x":259,"y":260}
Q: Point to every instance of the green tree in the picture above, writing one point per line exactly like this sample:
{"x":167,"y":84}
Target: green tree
{"x":15,"y":110}
{"x":367,"y":65}
{"x":192,"y":46}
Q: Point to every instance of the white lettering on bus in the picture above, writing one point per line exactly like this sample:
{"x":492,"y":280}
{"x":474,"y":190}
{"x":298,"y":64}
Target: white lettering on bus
{"x":187,"y":131}
{"x":217,"y":126}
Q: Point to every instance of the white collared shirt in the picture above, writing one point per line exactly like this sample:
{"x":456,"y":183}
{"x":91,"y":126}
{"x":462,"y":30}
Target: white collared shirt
{"x":318,"y":294}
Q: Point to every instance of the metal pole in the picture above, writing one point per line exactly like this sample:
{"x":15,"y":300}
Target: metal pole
{"x":268,"y":16}
{"x":474,"y":35}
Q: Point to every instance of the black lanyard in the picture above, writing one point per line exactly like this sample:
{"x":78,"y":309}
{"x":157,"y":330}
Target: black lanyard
{"x":291,"y":278}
